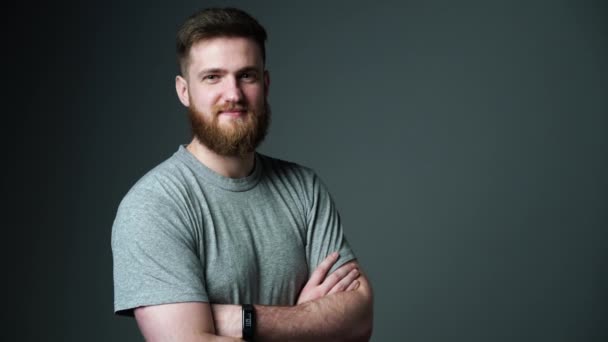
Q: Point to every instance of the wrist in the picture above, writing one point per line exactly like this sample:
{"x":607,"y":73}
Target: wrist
{"x":248,"y":322}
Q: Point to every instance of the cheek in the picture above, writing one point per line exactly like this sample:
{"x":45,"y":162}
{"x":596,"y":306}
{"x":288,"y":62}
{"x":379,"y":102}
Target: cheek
{"x":255,"y":95}
{"x":204,"y":98}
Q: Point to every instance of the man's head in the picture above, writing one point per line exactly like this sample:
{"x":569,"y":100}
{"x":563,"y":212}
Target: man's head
{"x":217,"y":22}
{"x":223,"y":80}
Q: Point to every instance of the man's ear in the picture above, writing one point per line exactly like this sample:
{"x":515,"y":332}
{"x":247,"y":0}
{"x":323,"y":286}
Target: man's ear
{"x":181,"y":87}
{"x":266,"y":82}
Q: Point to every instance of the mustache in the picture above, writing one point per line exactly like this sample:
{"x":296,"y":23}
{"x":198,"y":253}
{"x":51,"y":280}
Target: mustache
{"x":229,"y":107}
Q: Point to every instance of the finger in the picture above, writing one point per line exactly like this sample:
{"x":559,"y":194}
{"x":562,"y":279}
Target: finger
{"x":321,"y":271}
{"x":345,"y":282}
{"x":353,"y":286}
{"x":336,"y":276}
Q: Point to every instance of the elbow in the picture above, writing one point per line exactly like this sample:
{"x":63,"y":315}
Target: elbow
{"x":363,"y":329}
{"x":363,"y":332}
{"x":367,"y":321}
{"x":367,"y":326}
{"x":367,"y":336}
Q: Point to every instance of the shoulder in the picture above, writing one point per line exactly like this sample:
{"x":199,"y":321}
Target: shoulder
{"x":164,"y":186}
{"x":157,"y":202}
{"x":275,"y":167}
{"x":302,"y":181}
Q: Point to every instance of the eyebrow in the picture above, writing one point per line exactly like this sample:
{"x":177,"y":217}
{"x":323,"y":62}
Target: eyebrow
{"x":223,"y":71}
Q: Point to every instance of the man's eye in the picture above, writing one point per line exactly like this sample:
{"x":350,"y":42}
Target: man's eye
{"x":211,"y":77}
{"x":248,"y":76}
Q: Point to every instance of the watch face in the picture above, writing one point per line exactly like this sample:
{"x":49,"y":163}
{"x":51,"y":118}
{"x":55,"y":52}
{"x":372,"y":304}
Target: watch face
{"x":248,"y":319}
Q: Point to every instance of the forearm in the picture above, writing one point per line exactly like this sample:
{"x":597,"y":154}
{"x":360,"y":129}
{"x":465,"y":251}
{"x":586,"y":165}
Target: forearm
{"x":184,"y":322}
{"x":344,"y":316}
{"x":192,"y":338}
{"x":202,"y":338}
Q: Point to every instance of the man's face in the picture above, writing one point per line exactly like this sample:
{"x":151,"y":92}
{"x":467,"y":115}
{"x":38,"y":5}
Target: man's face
{"x":225,"y":90}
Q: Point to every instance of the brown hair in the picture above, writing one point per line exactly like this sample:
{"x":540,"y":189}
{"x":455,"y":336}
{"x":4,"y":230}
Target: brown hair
{"x":217,"y":22}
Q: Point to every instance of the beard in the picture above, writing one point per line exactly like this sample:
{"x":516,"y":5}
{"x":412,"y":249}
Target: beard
{"x":236,"y":138}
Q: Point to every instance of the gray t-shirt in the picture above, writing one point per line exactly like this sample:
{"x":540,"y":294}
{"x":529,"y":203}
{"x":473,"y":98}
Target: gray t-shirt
{"x":185,"y":233}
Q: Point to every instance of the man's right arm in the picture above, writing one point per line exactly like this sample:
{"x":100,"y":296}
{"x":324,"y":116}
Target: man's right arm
{"x":187,"y":322}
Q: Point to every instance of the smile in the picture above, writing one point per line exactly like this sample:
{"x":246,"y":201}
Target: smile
{"x":235,"y":113}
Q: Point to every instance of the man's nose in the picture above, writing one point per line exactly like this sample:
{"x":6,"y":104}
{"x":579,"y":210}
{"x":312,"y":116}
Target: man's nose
{"x":232,"y":90}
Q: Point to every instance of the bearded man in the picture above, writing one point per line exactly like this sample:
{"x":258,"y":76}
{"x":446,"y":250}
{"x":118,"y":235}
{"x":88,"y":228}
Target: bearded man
{"x":220,"y":242}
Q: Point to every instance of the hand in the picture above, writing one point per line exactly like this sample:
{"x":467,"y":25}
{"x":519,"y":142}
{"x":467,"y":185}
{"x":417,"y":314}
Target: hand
{"x":342,"y":279}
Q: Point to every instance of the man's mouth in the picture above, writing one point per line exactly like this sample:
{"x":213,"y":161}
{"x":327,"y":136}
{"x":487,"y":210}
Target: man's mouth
{"x":234,"y":112}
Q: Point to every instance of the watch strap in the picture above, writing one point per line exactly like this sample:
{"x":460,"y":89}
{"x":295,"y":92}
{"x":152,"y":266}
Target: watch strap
{"x":248,"y":313}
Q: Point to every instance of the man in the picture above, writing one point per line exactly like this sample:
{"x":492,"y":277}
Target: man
{"x":218,"y":227}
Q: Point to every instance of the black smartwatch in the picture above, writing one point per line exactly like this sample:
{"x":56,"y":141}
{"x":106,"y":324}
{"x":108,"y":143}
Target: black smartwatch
{"x":248,"y":322}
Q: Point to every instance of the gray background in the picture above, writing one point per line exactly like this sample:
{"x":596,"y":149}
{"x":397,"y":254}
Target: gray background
{"x":465,"y":144}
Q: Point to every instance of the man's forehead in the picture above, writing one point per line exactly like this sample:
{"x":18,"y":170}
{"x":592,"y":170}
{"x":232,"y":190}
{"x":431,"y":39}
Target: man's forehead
{"x":224,"y":53}
{"x":222,"y":47}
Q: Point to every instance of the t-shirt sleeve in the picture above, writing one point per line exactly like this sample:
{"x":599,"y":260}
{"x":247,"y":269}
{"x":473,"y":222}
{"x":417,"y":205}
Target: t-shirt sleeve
{"x":155,"y":254}
{"x":325,"y":233}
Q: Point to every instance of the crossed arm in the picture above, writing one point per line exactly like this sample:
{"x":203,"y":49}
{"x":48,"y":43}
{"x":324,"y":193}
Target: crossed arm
{"x":335,"y":307}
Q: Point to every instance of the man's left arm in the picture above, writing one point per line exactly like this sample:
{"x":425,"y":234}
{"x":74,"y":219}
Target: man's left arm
{"x":339,"y":316}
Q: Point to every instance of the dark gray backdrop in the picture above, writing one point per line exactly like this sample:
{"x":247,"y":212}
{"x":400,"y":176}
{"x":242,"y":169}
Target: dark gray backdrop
{"x":465,"y":144}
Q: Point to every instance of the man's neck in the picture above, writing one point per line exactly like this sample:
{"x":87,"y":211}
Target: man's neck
{"x":227,"y":166}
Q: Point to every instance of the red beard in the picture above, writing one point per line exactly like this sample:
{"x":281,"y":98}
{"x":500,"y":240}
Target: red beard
{"x":239,"y":137}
